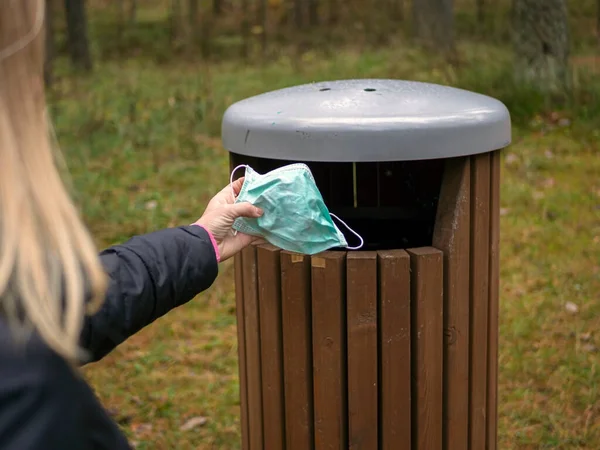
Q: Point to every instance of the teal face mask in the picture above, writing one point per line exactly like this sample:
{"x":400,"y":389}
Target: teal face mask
{"x":295,"y":217}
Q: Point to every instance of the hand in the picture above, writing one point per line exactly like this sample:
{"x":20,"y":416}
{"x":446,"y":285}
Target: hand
{"x":219,"y":216}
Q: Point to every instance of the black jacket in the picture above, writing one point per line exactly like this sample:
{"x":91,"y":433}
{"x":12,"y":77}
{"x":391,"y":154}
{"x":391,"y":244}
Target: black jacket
{"x":44,"y":403}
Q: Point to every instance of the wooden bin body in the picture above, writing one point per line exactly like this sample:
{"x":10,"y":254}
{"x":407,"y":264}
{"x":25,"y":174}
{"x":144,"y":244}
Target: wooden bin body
{"x":394,"y":347}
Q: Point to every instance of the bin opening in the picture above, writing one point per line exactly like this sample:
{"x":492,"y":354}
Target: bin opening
{"x":392,"y":205}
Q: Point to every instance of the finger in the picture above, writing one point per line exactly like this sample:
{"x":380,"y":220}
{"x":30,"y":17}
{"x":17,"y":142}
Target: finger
{"x":245,"y":209}
{"x":258,"y":240}
{"x":231,"y":191}
{"x":237,"y":185}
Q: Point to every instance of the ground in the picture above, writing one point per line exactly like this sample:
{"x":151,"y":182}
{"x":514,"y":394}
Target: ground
{"x":141,"y":144}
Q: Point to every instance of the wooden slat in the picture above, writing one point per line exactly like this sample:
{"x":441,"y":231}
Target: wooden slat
{"x":394,"y":338}
{"x":269,"y":301}
{"x":452,"y":236}
{"x":367,"y":184}
{"x":494,"y":291}
{"x":361,"y":310}
{"x":253,"y":362}
{"x":480,"y":241}
{"x":241,"y":333}
{"x":297,"y":350}
{"x":329,"y":350}
{"x":427,"y":324}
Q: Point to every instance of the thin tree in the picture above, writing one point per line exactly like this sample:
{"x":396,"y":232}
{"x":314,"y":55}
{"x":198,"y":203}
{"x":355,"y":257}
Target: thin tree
{"x":77,"y":34}
{"x":433,"y":24}
{"x":480,"y":12}
{"x":175,"y":20}
{"x":333,"y":11}
{"x":193,"y":19}
{"x":397,"y":10}
{"x":542,"y":43}
{"x":132,"y":11}
{"x":245,"y":28}
{"x":313,"y":13}
{"x":299,"y":13}
{"x":598,"y":21}
{"x":200,"y":27}
{"x":217,"y":7}
{"x":261,"y":21}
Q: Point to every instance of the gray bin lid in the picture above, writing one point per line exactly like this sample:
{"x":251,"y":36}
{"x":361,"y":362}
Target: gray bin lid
{"x":366,"y":120}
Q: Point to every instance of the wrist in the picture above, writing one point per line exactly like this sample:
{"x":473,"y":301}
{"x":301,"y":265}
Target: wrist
{"x":212,"y":240}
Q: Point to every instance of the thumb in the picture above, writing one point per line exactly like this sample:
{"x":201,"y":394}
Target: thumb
{"x":244,"y":209}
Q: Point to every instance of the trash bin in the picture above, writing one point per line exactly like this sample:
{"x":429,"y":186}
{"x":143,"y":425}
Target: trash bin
{"x":394,"y":346}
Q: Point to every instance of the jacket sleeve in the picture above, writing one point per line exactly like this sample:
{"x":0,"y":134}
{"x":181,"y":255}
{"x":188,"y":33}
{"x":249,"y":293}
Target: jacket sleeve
{"x":148,"y":276}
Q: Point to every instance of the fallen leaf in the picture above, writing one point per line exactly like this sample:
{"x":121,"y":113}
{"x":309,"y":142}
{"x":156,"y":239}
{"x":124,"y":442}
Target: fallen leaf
{"x":549,"y":154}
{"x":564,"y":122}
{"x":152,"y":204}
{"x":537,"y":195}
{"x":511,"y":158}
{"x":193,"y":423}
{"x":504,"y":211}
{"x":585,"y":337}
{"x":141,"y":428}
{"x":590,"y":348}
{"x":572,"y":307}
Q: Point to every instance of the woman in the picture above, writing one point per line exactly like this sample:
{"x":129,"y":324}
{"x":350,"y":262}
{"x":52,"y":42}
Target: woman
{"x":60,"y":304}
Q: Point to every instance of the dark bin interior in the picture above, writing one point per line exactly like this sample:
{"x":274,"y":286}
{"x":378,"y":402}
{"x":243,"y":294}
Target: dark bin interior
{"x":392,"y":205}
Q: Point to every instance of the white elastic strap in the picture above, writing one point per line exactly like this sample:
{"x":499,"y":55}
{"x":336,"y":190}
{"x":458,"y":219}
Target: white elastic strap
{"x":231,"y":178}
{"x":234,"y":232}
{"x":351,"y":230}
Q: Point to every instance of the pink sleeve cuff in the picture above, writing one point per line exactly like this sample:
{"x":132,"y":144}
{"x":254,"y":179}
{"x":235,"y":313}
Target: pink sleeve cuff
{"x":214,"y":242}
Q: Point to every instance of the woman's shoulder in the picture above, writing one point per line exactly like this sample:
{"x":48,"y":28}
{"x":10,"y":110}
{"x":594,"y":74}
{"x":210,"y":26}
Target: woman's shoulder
{"x":45,"y":403}
{"x":23,"y":348}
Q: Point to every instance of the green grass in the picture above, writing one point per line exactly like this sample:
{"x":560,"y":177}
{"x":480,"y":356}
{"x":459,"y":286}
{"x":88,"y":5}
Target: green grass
{"x":141,"y":141}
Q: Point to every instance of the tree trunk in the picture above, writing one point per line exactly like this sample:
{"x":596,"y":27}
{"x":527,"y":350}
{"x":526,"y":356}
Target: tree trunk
{"x":298,"y":13}
{"x":397,"y":10}
{"x":50,"y":45}
{"x":541,"y":43}
{"x":245,"y":25}
{"x":120,"y":20}
{"x":261,"y":21}
{"x":132,"y":11}
{"x":433,"y":22}
{"x":480,"y":14}
{"x":598,"y":21}
{"x":193,"y":19}
{"x":175,"y":20}
{"x":333,"y":12}
{"x":77,"y":34}
{"x":217,"y":7}
{"x":313,"y":13}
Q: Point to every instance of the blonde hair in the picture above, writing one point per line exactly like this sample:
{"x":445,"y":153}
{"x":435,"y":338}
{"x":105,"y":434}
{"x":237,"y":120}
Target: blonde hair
{"x":50,"y":273}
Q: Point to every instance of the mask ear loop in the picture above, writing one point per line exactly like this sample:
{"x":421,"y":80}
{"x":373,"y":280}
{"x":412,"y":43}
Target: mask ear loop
{"x":231,"y":178}
{"x":362,"y":242}
{"x":234,"y":232}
